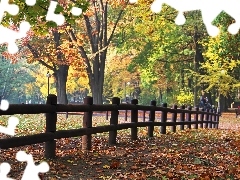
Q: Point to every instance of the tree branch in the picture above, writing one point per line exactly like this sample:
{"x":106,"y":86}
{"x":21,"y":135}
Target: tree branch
{"x":82,"y":52}
{"x":36,"y":55}
{"x":178,"y":61}
{"x":89,"y":31}
{"x":115,"y":25}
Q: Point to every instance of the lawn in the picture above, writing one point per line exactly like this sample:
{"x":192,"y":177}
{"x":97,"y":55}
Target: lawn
{"x":189,"y":154}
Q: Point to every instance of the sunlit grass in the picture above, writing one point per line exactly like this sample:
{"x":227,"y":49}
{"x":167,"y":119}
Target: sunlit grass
{"x":36,"y":123}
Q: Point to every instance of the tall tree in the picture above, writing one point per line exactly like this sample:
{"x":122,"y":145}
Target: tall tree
{"x":14,"y":77}
{"x":47,"y":30}
{"x":163,"y":50}
{"x":222,"y":61}
{"x":101,"y":21}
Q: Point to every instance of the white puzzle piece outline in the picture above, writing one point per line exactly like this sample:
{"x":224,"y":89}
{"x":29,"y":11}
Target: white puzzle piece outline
{"x":4,"y":105}
{"x":31,"y":171}
{"x":10,"y":129}
{"x":51,"y":16}
{"x":12,"y":121}
{"x":30,"y":2}
{"x":4,"y":170}
{"x":209,"y":10}
{"x":12,"y":9}
{"x":10,"y":36}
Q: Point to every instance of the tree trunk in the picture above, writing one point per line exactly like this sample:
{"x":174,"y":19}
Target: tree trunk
{"x":61,"y":72}
{"x":97,"y":79}
{"x":221,"y":103}
{"x":198,"y":58}
{"x":97,"y":93}
{"x":61,"y":81}
{"x":99,"y":38}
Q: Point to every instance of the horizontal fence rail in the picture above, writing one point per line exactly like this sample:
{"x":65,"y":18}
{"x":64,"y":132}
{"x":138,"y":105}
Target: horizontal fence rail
{"x":179,"y":117}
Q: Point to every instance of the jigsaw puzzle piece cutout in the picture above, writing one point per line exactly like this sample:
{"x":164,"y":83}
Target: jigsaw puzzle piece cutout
{"x":208,"y":12}
{"x":10,"y":129}
{"x":234,"y":13}
{"x":132,"y":1}
{"x":30,"y":2}
{"x":51,"y":16}
{"x":31,"y":171}
{"x":4,"y":170}
{"x":208,"y":16}
{"x":76,"y":11}
{"x":12,"y":9}
{"x":4,"y":105}
{"x":10,"y":36}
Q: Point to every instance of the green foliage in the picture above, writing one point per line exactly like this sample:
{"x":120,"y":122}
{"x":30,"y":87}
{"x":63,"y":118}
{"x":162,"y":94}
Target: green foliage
{"x":146,"y":96}
{"x":222,"y":59}
{"x":162,"y":50}
{"x":36,"y":15}
{"x":185,"y":97}
{"x":14,"y":79}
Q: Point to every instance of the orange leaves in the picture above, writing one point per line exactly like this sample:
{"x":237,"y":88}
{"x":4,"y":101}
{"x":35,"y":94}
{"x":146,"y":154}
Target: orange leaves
{"x":202,"y":154}
{"x":115,"y":164}
{"x":118,"y":3}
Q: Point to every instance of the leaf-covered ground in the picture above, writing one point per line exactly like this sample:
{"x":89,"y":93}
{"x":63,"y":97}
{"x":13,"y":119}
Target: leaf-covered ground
{"x":189,"y":154}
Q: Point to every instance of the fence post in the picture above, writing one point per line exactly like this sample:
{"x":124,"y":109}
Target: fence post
{"x":51,"y":120}
{"x":126,"y":112}
{"x":210,"y":119}
{"x":143,"y":115}
{"x":189,"y":126}
{"x":114,"y":121}
{"x":201,"y":118}
{"x":66,"y":115}
{"x":134,"y":119}
{"x":215,"y":118}
{"x":182,"y":117}
{"x":106,"y":115}
{"x":174,"y":119}
{"x":151,"y":119}
{"x":218,"y":115}
{"x":164,"y":119}
{"x":206,"y":118}
{"x":196,"y":118}
{"x":87,"y":123}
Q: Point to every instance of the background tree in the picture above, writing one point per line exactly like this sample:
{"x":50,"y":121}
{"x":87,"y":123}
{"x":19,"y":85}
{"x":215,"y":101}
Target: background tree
{"x":101,"y":21}
{"x":163,"y":50}
{"x":119,"y":82}
{"x":53,"y":52}
{"x":222,"y":63}
{"x":14,"y":79}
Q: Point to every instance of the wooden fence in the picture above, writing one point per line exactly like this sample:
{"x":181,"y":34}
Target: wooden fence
{"x":185,"y":118}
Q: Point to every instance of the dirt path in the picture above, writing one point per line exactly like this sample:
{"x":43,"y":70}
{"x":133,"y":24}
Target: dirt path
{"x":229,"y":121}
